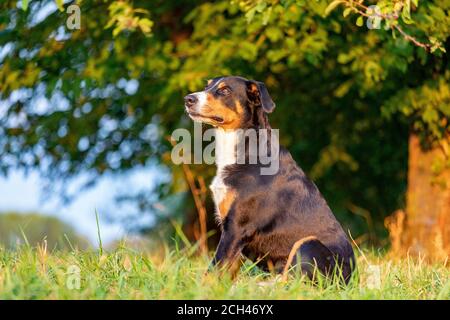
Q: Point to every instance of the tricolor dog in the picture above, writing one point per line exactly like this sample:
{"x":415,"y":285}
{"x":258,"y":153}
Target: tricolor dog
{"x":262,"y":216}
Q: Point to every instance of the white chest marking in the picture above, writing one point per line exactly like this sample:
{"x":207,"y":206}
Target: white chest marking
{"x":225,"y":155}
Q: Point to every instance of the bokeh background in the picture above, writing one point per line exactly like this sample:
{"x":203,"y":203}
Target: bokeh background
{"x":85,"y":113}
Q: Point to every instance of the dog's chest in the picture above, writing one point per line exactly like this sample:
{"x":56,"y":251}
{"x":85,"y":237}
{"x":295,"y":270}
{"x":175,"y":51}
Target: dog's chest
{"x":219,"y":189}
{"x":223,"y":195}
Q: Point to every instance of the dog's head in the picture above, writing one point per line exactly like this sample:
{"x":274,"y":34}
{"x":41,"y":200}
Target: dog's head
{"x":231,"y":103}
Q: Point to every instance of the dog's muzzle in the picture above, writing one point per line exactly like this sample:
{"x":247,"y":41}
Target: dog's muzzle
{"x":190,"y":100}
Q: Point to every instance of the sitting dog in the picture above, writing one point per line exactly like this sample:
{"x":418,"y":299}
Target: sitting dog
{"x":265,"y":217}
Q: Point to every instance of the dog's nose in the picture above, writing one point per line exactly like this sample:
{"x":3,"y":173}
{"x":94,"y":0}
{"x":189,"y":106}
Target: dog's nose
{"x":190,"y":100}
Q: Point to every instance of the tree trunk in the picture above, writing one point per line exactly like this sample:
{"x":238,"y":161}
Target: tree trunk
{"x":427,"y":225}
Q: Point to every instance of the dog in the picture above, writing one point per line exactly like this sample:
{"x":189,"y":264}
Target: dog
{"x":265,"y":218}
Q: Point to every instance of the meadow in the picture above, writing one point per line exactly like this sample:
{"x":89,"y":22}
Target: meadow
{"x":172,"y":273}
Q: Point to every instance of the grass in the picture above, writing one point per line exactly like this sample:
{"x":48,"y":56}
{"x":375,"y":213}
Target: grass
{"x":36,"y":273}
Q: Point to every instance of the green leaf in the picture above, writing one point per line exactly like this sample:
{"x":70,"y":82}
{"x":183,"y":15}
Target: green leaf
{"x":24,"y":5}
{"x":60,"y":4}
{"x":266,"y":16}
{"x":347,"y":12}
{"x":250,"y":14}
{"x":394,"y":36}
{"x":360,"y":21}
{"x":406,"y":13}
{"x":430,"y":115}
{"x":332,"y":6}
{"x":274,"y":34}
{"x":145,"y":25}
{"x":261,"y":6}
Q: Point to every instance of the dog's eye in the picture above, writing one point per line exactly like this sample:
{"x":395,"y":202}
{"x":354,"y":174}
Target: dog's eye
{"x":224,"y":91}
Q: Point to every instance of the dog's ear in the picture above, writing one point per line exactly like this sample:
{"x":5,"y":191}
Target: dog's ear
{"x":258,"y":89}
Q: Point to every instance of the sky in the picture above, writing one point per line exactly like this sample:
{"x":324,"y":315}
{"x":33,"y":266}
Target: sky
{"x":23,"y":193}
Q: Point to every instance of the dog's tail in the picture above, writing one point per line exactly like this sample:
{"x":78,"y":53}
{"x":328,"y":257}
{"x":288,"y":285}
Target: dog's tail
{"x":293,"y":253}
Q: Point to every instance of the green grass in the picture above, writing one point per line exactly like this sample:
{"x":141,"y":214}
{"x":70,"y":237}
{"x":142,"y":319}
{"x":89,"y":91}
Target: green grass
{"x":34,"y":273}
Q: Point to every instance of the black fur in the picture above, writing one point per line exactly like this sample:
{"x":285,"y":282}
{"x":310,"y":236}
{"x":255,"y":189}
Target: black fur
{"x":271,"y":213}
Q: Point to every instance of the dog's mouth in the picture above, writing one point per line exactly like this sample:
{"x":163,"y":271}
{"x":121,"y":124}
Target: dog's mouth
{"x":198,"y":116}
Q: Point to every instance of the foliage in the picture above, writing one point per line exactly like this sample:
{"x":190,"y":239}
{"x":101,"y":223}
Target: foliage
{"x":346,"y":96}
{"x":387,"y":12}
{"x":124,"y":17}
{"x":125,"y":274}
{"x":428,"y":106}
{"x":31,"y":229}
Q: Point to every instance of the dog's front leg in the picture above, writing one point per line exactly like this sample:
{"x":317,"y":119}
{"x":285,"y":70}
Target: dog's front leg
{"x":228,"y":252}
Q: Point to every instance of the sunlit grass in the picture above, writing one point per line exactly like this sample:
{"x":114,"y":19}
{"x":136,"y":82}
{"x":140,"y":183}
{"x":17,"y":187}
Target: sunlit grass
{"x":35,"y":273}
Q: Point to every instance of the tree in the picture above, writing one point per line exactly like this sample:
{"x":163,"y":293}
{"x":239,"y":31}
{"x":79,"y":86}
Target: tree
{"x":347,"y":97}
{"x":427,"y":106}
{"x":33,"y":229}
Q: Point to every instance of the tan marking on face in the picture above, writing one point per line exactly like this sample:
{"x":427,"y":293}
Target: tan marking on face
{"x":231,"y":118}
{"x":209,"y":82}
{"x":238,"y":115}
{"x":221,"y":85}
{"x":225,"y":205}
{"x":239,"y":109}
